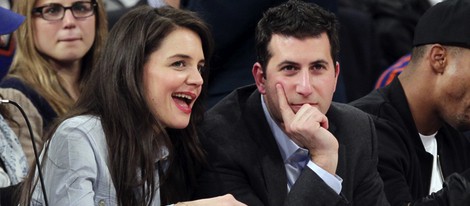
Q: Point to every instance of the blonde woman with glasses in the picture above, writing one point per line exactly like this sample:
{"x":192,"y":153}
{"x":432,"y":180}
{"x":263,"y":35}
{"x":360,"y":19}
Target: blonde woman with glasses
{"x":57,"y":46}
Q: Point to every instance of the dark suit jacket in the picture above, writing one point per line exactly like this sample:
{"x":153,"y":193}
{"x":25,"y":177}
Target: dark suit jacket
{"x":245,"y":160}
{"x":404,"y":164}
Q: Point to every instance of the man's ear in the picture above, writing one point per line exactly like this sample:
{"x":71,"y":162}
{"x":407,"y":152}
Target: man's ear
{"x":259,"y":76}
{"x":438,"y":58}
{"x":336,"y":74}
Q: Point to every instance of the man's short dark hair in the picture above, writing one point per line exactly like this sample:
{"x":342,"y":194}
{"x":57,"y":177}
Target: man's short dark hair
{"x":297,"y":19}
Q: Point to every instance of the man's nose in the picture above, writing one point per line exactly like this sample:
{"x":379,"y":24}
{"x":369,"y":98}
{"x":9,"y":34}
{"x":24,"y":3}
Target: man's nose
{"x":304,"y":84}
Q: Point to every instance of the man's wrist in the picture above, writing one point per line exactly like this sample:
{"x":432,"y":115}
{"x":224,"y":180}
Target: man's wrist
{"x":327,"y":162}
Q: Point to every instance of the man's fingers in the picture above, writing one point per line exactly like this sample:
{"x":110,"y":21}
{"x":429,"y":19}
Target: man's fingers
{"x":286,"y":111}
{"x":324,"y":122}
{"x":308,"y":113}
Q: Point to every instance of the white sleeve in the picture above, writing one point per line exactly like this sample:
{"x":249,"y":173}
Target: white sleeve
{"x":4,"y":179}
{"x":334,"y":181}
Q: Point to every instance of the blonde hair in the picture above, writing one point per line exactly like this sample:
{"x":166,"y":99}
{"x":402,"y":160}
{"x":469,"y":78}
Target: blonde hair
{"x":35,"y":69}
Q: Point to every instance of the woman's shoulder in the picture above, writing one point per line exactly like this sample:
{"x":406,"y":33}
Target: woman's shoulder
{"x":83,"y":128}
{"x":78,"y":145}
{"x":79,"y":134}
{"x":83,"y":123}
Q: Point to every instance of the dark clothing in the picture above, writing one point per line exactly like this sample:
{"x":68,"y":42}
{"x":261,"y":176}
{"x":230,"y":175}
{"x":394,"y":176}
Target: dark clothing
{"x":360,"y":57}
{"x":404,"y":164}
{"x":394,"y":21}
{"x":41,"y":104}
{"x":246,"y":161}
{"x":10,"y":196}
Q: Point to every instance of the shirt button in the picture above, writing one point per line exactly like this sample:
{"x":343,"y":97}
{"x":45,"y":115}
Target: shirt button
{"x":101,"y":203}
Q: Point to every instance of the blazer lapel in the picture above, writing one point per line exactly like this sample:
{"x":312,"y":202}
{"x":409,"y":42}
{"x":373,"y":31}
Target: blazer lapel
{"x":270,"y":159}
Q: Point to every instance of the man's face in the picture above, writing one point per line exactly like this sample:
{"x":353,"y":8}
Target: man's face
{"x":454,"y":93}
{"x":305,"y":69}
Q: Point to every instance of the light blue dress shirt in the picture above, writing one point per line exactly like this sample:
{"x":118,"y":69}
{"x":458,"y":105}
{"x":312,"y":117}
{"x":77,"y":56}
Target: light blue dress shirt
{"x":288,"y":148}
{"x":76,"y":168}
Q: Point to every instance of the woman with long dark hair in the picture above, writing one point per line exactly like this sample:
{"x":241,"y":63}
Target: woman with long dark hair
{"x":131,"y":138}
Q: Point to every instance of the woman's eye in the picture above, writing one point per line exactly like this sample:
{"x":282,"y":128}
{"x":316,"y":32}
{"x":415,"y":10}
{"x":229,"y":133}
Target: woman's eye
{"x":52,"y":9}
{"x":178,"y":64}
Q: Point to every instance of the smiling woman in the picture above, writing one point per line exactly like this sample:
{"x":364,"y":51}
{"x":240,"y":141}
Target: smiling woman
{"x":131,"y":137}
{"x":57,"y":45}
{"x":172,"y":72}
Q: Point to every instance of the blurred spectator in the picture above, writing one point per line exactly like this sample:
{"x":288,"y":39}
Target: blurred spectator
{"x":13,"y":164}
{"x":52,"y":62}
{"x":360,"y":57}
{"x":394,"y":22}
{"x":393,"y":71}
{"x":7,"y":43}
{"x":117,"y":8}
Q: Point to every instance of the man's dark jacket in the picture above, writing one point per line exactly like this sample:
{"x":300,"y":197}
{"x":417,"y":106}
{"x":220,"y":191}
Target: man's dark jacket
{"x":246,"y":161}
{"x":404,"y":164}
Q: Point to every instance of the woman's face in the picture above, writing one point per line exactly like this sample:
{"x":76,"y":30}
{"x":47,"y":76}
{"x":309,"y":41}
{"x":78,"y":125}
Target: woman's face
{"x":172,"y":81}
{"x":64,"y":40}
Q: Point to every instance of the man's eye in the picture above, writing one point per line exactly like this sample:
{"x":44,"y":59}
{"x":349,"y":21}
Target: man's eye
{"x":318,"y":67}
{"x":288,"y":68}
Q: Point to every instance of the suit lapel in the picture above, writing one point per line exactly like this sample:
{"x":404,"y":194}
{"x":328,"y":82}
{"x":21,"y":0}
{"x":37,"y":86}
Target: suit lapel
{"x":270,"y":159}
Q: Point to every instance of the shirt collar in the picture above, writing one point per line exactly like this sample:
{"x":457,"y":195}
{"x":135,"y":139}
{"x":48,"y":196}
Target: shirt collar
{"x":286,"y":145}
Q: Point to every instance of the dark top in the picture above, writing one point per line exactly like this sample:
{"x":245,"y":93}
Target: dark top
{"x":404,"y":164}
{"x":41,"y":104}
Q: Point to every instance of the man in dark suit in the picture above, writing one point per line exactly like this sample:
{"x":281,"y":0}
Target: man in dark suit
{"x":424,"y":158}
{"x":283,"y":141}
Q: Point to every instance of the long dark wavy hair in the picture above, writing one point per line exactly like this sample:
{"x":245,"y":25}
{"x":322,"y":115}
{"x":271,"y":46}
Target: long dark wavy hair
{"x":135,"y":138}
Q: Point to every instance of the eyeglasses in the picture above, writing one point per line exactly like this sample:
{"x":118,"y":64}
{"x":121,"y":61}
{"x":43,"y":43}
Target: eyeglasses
{"x":55,"y":11}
